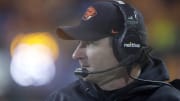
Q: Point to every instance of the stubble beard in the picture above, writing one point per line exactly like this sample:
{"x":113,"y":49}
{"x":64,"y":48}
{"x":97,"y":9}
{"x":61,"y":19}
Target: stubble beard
{"x":106,"y":77}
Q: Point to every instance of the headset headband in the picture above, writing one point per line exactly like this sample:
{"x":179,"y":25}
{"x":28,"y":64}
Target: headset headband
{"x":130,"y":16}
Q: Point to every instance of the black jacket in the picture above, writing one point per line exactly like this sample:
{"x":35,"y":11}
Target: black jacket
{"x":176,"y":83}
{"x":136,"y":91}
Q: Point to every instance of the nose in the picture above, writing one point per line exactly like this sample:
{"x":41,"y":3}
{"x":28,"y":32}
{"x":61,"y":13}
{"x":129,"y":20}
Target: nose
{"x":79,"y":53}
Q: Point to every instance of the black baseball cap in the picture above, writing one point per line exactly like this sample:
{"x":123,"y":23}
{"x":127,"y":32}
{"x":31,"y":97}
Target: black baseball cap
{"x":101,"y":19}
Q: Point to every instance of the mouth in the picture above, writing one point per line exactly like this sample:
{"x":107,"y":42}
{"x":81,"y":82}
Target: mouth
{"x":85,"y":66}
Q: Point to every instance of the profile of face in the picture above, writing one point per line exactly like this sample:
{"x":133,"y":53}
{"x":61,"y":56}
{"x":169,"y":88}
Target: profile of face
{"x":95,"y":55}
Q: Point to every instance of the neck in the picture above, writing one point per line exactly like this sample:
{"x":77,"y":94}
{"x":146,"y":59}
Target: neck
{"x":122,"y":81}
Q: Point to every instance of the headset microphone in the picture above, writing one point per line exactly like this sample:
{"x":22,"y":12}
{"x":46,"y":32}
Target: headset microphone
{"x":83,"y":72}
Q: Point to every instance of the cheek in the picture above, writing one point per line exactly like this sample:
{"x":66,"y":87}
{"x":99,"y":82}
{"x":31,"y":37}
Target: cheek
{"x":101,"y":58}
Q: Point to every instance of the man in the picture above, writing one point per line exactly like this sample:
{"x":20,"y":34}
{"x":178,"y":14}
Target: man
{"x":114,"y":58}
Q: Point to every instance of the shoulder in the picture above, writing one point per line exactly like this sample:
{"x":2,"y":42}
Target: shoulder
{"x":64,"y":93}
{"x":165,"y":93}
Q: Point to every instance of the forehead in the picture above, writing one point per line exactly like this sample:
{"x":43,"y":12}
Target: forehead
{"x":103,"y":41}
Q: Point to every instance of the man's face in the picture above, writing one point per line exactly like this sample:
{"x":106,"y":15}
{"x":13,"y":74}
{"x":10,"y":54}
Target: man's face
{"x":95,"y":55}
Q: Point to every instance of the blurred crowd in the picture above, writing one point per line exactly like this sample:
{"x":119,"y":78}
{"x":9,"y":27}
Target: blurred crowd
{"x":162,"y":18}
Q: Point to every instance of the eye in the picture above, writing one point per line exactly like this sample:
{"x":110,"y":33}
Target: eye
{"x":82,"y":44}
{"x":91,"y":43}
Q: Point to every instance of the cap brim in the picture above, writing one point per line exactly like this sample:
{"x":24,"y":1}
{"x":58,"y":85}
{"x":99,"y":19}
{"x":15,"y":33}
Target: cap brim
{"x":78,"y":33}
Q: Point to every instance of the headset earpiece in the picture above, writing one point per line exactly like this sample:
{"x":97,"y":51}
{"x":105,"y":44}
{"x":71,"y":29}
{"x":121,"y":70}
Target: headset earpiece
{"x":131,"y":44}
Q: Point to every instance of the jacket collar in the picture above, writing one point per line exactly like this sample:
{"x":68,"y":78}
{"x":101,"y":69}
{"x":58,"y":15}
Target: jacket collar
{"x":155,"y":70}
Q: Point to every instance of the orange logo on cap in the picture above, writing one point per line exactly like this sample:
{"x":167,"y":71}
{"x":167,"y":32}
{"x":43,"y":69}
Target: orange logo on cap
{"x":90,"y":12}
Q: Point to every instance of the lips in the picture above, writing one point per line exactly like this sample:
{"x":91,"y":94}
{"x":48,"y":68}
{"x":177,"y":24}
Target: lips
{"x":85,"y":66}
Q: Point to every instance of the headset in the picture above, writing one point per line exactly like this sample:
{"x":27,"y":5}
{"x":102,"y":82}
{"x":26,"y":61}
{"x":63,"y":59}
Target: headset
{"x":131,"y":41}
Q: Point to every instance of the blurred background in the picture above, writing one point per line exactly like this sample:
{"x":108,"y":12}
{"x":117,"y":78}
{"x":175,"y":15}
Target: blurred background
{"x":34,"y":62}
